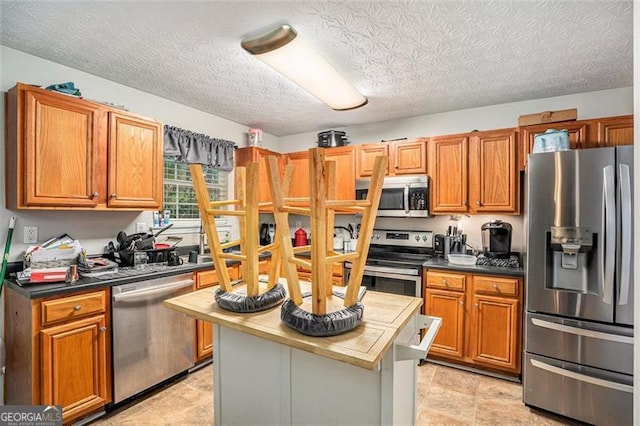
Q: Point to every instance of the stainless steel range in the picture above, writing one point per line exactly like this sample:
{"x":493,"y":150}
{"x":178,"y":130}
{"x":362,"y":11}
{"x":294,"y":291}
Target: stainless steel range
{"x":394,"y":263}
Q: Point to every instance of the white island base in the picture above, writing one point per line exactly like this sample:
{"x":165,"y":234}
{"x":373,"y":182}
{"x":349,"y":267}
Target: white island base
{"x":259,"y":382}
{"x":268,"y":374}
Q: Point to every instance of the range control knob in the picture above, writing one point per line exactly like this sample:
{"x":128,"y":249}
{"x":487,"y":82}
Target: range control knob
{"x":424,"y":238}
{"x":417,"y":237}
{"x":378,"y":236}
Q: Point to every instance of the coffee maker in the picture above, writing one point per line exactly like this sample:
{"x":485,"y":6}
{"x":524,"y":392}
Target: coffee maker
{"x":496,"y":239}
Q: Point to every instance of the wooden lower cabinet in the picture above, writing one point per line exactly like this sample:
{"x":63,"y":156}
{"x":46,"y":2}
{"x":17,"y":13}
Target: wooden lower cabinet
{"x":59,"y":352}
{"x":448,"y":305}
{"x":74,"y":366}
{"x":204,"y":329}
{"x":481,"y":319}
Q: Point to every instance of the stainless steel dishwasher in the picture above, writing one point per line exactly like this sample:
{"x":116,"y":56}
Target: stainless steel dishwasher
{"x":151,"y":343}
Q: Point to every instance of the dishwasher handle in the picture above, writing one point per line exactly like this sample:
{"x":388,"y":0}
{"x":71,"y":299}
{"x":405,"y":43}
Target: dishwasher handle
{"x":138,"y":294}
{"x":418,"y":352}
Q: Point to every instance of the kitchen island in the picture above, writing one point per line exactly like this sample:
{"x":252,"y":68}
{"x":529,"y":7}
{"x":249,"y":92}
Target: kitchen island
{"x":266,"y":373}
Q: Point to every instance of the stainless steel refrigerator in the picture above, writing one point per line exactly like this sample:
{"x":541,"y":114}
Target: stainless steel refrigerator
{"x":578,"y":359}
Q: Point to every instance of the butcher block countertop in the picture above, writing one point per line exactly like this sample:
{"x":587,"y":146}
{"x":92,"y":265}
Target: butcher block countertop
{"x":385,"y":315}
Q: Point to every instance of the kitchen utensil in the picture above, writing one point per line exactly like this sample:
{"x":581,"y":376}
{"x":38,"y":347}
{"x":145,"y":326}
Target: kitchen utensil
{"x":120,"y":238}
{"x":193,"y":256}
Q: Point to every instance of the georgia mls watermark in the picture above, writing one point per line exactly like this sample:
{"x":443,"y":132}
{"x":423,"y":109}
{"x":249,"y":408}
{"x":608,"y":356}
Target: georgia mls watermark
{"x":30,"y":415}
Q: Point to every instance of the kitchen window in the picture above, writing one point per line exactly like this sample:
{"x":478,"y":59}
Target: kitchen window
{"x":179,"y":196}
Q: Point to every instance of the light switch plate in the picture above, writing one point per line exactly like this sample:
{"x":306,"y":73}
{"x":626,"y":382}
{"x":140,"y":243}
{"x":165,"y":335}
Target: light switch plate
{"x":30,"y":234}
{"x":141,"y":227}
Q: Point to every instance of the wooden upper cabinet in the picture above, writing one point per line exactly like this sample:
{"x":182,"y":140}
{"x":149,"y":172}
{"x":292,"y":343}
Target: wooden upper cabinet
{"x":578,"y":131}
{"x":71,"y":154}
{"x":405,"y":157}
{"x":60,"y":135}
{"x":367,"y":157}
{"x":258,"y":155}
{"x":299,"y":187}
{"x":345,"y":159}
{"x":135,"y":162}
{"x":448,"y":171}
{"x":613,"y":131}
{"x":493,"y":175}
{"x":592,"y":133}
{"x":409,"y":157}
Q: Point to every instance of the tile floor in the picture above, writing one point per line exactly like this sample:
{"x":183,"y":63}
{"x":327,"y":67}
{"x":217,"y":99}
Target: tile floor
{"x":446,"y":396}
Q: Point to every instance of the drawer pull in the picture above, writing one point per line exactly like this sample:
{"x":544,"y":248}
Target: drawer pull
{"x":77,"y":308}
{"x":445,"y":282}
{"x":496,"y":286}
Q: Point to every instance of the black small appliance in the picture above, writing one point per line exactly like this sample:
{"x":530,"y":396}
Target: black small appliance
{"x":267,"y":231}
{"x":496,"y":239}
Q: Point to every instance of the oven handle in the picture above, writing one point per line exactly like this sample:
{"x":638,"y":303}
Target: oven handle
{"x":416,"y":352}
{"x":387,"y":272}
{"x":406,"y":199}
{"x":138,"y":294}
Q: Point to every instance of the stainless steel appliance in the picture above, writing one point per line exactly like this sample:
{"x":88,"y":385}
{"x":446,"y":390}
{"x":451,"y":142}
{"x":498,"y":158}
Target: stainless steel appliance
{"x":496,"y":239}
{"x":579,"y":301}
{"x":150,"y":342}
{"x":394,"y":263}
{"x":402,"y":196}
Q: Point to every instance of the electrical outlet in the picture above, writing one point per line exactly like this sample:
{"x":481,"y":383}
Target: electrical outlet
{"x":141,"y":227}
{"x":30,"y":234}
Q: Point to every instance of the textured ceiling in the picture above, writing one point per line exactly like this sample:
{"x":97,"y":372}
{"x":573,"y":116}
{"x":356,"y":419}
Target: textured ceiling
{"x":408,"y":57}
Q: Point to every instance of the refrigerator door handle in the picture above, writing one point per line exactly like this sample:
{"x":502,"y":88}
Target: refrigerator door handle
{"x":625,"y":250}
{"x":581,"y":377}
{"x":607,"y":266}
{"x":583,"y":332}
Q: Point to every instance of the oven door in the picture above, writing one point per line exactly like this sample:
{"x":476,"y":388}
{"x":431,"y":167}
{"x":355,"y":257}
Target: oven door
{"x":403,"y":281}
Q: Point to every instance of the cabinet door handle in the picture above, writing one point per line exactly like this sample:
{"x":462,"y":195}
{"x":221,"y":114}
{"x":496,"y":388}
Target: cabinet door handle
{"x":462,"y":302}
{"x":103,"y":329}
{"x":113,"y":195}
{"x":478,"y":203}
{"x":94,"y":194}
{"x":77,"y":308}
{"x":464,"y":203}
{"x":475,"y":304}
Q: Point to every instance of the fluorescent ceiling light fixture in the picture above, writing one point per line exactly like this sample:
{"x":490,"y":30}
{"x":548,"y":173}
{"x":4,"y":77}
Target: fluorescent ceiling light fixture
{"x":285,"y":51}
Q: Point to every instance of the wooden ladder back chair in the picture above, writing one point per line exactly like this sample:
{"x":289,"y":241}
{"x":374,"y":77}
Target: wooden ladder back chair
{"x":245,"y":207}
{"x":321,"y":207}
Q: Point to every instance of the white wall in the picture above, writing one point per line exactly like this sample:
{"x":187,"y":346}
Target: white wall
{"x":590,"y":105}
{"x":95,"y":229}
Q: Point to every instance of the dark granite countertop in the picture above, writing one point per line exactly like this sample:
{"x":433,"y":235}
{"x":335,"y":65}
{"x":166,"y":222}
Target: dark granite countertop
{"x":124,"y":275}
{"x":438,"y":263}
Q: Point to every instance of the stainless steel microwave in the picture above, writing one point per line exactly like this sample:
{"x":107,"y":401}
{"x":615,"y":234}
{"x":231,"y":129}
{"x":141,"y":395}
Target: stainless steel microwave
{"x":402,"y":196}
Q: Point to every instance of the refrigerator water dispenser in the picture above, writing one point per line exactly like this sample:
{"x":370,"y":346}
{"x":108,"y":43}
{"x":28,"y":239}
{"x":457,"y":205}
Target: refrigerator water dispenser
{"x":568,"y":256}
